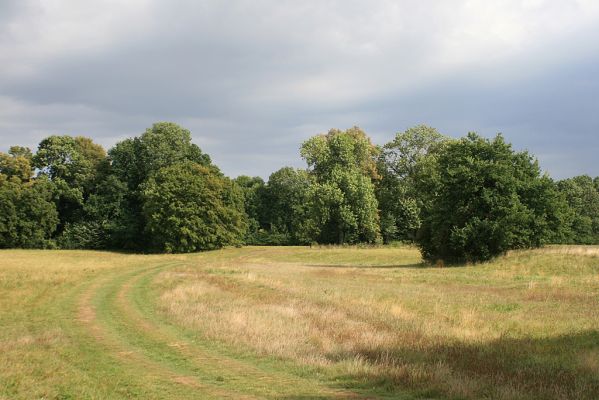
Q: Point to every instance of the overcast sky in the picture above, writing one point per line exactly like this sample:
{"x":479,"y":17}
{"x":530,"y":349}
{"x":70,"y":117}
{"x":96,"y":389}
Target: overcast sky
{"x":253,"y":79}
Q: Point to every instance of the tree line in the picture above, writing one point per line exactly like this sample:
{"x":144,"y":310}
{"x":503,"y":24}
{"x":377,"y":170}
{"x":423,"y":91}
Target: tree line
{"x":465,"y":199}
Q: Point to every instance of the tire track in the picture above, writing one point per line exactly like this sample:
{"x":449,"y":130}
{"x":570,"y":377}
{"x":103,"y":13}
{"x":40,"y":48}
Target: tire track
{"x":111,"y":309}
{"x":124,"y":353}
{"x":245,"y":374}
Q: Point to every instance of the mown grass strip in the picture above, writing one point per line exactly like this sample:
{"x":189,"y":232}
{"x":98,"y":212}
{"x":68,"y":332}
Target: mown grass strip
{"x":192,"y":356}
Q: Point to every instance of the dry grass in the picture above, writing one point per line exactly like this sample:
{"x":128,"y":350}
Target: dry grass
{"x":522,"y":326}
{"x":373,"y":320}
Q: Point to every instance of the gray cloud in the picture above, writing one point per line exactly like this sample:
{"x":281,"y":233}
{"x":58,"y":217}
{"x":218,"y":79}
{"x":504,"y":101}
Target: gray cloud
{"x":252,"y":80}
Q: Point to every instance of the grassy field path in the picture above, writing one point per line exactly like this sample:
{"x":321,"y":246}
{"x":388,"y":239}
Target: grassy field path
{"x":117,"y":312}
{"x":72,"y":330}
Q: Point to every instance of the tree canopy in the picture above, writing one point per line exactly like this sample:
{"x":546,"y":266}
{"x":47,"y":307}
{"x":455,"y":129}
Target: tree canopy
{"x":398,"y":191}
{"x":582,"y":195}
{"x":343,"y":205}
{"x":458,"y":200}
{"x":485,"y":199}
{"x":189,"y":207}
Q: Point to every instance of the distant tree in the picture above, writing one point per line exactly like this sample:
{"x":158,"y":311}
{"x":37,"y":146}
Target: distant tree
{"x":189,"y":207}
{"x":106,"y":222}
{"x":397,"y":190}
{"x":583,"y":199}
{"x":17,"y":163}
{"x":403,"y":154}
{"x":286,"y":203}
{"x":134,"y":161}
{"x":343,"y":206}
{"x":350,"y":149}
{"x":28,"y":216}
{"x":72,"y":164}
{"x":485,"y":199}
{"x":74,"y":160}
{"x":253,"y":192}
{"x":162,"y":145}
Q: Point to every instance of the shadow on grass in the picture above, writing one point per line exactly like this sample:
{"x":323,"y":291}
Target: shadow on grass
{"x":564,"y":367}
{"x":395,"y":266}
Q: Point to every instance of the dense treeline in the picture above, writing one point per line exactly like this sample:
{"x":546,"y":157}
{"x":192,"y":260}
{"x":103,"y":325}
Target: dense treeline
{"x":459,"y":200}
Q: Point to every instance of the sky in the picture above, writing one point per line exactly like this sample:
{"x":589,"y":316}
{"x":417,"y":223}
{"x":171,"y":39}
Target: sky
{"x":254,"y":79}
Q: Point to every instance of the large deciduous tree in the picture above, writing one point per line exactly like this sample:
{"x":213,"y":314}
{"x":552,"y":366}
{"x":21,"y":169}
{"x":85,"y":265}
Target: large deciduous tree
{"x":344,"y":208}
{"x":583,"y":198}
{"x":286,"y":205}
{"x":398,"y":189}
{"x":134,"y":161}
{"x":189,"y":207}
{"x":74,"y":160}
{"x":28,"y":216}
{"x":485,"y":199}
{"x":72,"y":164}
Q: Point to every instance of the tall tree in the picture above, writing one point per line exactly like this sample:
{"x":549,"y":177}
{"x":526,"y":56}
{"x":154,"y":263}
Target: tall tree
{"x":583,"y":198}
{"x":74,"y":160}
{"x":397,"y":191}
{"x":162,"y":145}
{"x":17,"y":163}
{"x":286,"y":203}
{"x":28,"y":216}
{"x":72,"y":164}
{"x":343,"y":203}
{"x":189,"y":207}
{"x":134,"y":161}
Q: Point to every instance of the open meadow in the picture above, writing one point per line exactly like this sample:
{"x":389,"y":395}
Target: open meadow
{"x":298,"y":323}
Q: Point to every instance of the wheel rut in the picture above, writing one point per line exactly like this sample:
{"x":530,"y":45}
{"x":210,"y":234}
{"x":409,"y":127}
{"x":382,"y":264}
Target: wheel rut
{"x":117,"y":311}
{"x":92,"y":313}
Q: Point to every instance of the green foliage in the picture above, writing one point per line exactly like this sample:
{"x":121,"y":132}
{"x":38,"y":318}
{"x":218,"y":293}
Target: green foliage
{"x":83,"y":235}
{"x":134,"y":161}
{"x":189,"y":207}
{"x":162,"y":145}
{"x":253,"y":193}
{"x":107,"y":216}
{"x":17,"y":163}
{"x":485,"y":199}
{"x":397,"y":191}
{"x":28,"y":216}
{"x":286,"y":205}
{"x":405,"y":152}
{"x":73,"y":164}
{"x":74,"y":160}
{"x":342,"y":203}
{"x":461,"y":200}
{"x":350,"y":149}
{"x":582,"y":196}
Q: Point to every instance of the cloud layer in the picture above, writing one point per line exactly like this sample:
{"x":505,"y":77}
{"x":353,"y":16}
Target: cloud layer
{"x":253,"y":79}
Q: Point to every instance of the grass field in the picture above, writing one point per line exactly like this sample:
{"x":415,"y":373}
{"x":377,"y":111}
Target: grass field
{"x":298,"y":323}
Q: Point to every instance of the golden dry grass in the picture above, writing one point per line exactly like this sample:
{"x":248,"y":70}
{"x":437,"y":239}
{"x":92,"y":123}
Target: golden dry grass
{"x":518,"y":327}
{"x":298,"y":323}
